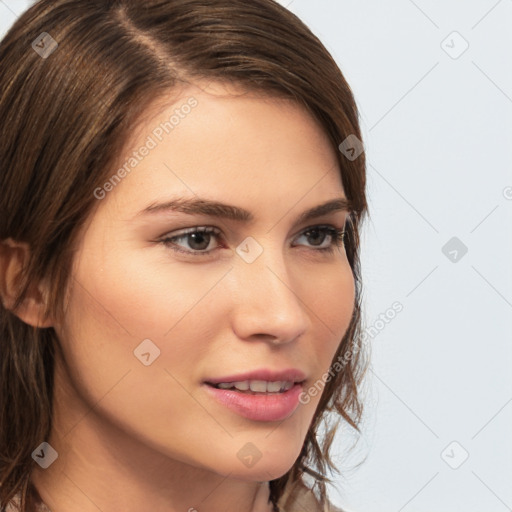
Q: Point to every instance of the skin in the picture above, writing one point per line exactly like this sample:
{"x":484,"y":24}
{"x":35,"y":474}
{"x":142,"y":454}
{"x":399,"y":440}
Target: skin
{"x":133,"y":437}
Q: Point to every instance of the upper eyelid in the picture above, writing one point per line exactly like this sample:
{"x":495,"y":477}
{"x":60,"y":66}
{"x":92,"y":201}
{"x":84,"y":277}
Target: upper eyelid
{"x":310,"y":223}
{"x":217,"y":231}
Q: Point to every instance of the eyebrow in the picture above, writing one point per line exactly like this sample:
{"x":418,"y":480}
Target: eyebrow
{"x":211,"y":208}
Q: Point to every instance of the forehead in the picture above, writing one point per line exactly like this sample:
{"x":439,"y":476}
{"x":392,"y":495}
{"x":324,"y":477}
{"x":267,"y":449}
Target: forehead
{"x":223,"y":140}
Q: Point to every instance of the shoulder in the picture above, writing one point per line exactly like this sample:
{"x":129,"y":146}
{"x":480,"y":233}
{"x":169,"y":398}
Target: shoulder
{"x":302,"y":499}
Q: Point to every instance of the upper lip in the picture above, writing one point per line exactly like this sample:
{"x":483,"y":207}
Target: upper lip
{"x":287,"y":375}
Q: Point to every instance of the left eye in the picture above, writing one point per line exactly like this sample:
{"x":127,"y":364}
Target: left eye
{"x":199,"y":238}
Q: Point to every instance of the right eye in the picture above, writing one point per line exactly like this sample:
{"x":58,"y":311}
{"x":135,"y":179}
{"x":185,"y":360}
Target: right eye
{"x":197,"y":238}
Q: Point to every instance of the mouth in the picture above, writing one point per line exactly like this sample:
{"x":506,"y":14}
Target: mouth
{"x":256,"y":387}
{"x":271,"y":397}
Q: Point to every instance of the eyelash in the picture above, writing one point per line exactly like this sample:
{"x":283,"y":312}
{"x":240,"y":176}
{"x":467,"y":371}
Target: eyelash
{"x":337,"y":236}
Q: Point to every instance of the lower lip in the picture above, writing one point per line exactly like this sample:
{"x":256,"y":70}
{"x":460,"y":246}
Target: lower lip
{"x":259,"y":407}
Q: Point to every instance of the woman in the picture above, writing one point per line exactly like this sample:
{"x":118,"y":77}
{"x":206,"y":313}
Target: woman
{"x":179,"y":257}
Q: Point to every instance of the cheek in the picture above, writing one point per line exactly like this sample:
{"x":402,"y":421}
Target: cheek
{"x":146,"y":291}
{"x":115,"y":304}
{"x":330,"y":301}
{"x":332,"y":306}
{"x":113,"y":307}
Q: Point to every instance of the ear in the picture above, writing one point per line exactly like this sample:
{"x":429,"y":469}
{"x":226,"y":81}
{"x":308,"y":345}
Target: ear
{"x":13,"y":258}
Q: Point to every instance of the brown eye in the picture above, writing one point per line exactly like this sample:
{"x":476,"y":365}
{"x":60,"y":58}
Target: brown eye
{"x":194,"y":241}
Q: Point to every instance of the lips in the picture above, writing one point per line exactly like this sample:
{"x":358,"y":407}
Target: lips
{"x":258,"y":406}
{"x":262,"y":395}
{"x":292,"y":375}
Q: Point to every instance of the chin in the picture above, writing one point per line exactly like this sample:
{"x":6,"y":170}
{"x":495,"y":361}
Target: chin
{"x":274,"y":461}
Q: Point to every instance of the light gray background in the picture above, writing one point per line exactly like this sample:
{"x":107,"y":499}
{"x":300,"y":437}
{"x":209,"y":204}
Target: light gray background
{"x":437,"y":129}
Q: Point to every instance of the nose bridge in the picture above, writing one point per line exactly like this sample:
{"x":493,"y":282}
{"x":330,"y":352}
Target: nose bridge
{"x":269,"y":298}
{"x":266,"y":267}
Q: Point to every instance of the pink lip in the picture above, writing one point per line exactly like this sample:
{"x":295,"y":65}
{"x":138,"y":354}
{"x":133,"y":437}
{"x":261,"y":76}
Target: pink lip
{"x":289,"y":375}
{"x":260,"y":407}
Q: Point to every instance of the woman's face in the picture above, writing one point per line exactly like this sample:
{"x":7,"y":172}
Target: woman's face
{"x":150,"y":323}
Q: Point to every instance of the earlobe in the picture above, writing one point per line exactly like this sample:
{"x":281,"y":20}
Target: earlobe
{"x":13,"y":258}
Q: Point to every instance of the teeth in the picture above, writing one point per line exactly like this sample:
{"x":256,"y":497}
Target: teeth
{"x":274,"y":387}
{"x":224,"y":385}
{"x":287,"y":386}
{"x":258,"y":386}
{"x":242,"y":385}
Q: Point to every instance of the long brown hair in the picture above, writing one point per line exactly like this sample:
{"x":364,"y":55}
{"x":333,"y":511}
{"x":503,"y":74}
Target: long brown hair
{"x":67,"y":107}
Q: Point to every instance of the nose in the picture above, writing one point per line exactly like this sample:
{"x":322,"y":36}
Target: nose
{"x":268,"y":304}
